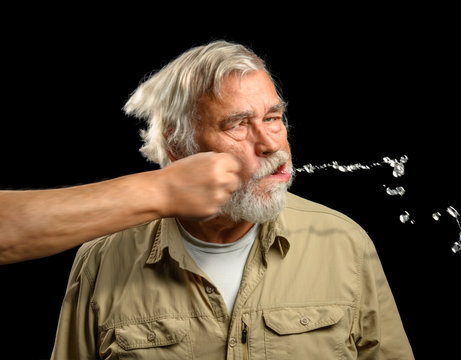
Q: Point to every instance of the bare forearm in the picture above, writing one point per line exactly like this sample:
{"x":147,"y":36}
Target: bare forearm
{"x":44,"y":222}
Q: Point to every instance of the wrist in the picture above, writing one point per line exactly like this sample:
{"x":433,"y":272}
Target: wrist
{"x":146,"y":194}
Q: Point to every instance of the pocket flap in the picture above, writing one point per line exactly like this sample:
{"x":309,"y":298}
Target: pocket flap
{"x":301,"y":319}
{"x":162,"y":332}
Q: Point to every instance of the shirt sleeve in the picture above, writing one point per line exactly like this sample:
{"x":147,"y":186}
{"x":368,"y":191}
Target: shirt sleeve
{"x":380,"y":333}
{"x":76,"y":333}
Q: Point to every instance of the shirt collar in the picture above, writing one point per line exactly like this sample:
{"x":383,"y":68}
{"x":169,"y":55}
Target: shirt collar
{"x":274,"y":235}
{"x":162,"y":233}
{"x":167,"y":235}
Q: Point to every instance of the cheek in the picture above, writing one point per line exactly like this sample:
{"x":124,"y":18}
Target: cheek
{"x":284,"y":140}
{"x":284,"y":134}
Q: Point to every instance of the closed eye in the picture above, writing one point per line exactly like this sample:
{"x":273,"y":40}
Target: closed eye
{"x":272,"y":118}
{"x":238,"y":124}
{"x":235,"y":120}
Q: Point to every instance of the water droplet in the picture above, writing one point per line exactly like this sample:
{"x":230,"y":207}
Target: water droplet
{"x":436,"y":216}
{"x":404,"y":217}
{"x":397,"y":165}
{"x":456,"y":248}
{"x":399,"y":170}
{"x":399,"y":190}
{"x":453,"y":212}
{"x":308,"y":168}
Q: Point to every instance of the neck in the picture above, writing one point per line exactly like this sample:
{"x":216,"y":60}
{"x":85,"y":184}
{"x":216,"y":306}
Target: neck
{"x":220,"y":230}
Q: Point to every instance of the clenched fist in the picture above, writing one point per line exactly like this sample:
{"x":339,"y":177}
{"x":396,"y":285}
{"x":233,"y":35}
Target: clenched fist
{"x":196,"y":186}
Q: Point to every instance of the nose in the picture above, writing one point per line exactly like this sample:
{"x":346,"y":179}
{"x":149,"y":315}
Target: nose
{"x":266,"y":142}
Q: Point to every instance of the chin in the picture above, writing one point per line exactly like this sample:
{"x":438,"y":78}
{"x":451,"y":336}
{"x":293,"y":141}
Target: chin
{"x":256,"y":205}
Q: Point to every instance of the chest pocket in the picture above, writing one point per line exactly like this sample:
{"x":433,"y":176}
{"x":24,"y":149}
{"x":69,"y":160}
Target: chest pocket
{"x":161,"y":339}
{"x":304,"y":332}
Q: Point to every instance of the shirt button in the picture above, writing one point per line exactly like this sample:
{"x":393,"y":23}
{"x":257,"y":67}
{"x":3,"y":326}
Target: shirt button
{"x":151,"y":337}
{"x":232,"y":342}
{"x":304,"y":321}
{"x":209,"y":289}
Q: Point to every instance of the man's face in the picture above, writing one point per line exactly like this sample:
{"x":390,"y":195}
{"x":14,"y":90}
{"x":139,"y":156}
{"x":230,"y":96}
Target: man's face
{"x":246,"y":121}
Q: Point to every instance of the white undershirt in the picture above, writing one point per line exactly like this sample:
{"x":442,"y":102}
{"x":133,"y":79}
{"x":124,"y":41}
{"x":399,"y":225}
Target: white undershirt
{"x":222,"y":263}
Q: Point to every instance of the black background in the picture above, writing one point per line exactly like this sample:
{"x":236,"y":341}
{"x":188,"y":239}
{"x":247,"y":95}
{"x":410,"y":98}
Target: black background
{"x":358,"y":89}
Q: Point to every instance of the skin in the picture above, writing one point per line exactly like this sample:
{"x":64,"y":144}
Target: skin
{"x":40,"y":223}
{"x":249,"y":106}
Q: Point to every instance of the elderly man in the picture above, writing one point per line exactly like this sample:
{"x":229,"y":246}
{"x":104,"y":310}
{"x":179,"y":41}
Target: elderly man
{"x":269,"y":276}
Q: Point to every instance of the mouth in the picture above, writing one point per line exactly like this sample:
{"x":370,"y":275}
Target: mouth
{"x":279,"y":170}
{"x":276,"y":167}
{"x":280,"y":173}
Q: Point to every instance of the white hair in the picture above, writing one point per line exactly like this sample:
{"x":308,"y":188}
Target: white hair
{"x":167,"y":100}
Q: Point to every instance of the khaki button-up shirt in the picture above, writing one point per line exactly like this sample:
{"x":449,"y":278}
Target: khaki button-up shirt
{"x":312,"y":288}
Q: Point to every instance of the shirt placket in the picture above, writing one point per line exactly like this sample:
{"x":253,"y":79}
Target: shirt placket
{"x":215,"y":299}
{"x":240,"y":328}
{"x":208,"y":292}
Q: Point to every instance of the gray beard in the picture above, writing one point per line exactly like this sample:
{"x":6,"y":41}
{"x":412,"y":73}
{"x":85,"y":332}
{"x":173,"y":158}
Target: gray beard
{"x":250,"y":205}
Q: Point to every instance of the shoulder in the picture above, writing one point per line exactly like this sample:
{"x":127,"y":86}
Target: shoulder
{"x":129,"y":242}
{"x":319,"y":221}
{"x":305,"y":208}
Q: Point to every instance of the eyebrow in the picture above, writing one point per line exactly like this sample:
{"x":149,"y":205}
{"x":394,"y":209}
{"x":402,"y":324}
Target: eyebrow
{"x":240,"y":115}
{"x":280,"y":107}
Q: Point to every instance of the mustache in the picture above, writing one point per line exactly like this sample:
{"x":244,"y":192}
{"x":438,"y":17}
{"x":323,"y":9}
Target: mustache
{"x":271,"y":164}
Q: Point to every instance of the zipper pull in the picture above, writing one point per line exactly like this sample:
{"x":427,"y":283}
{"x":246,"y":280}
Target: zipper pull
{"x":244,"y":334}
